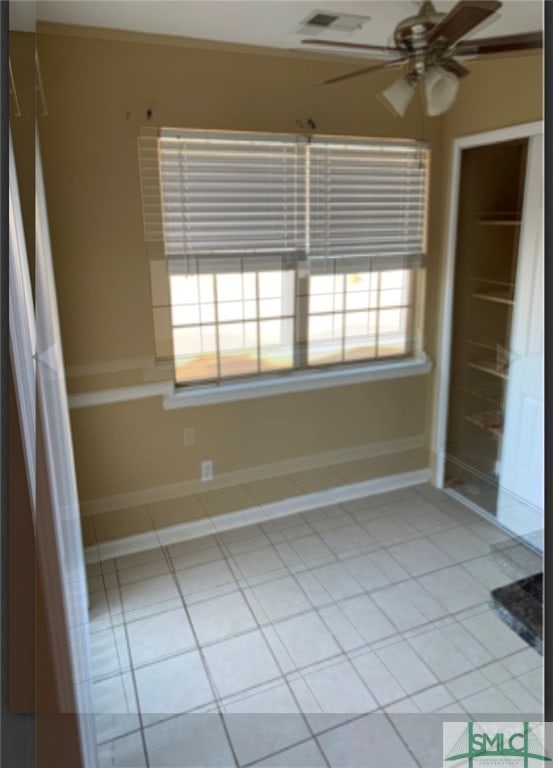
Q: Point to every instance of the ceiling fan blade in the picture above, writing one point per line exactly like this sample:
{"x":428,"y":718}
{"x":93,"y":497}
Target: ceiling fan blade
{"x":356,"y":46}
{"x":358,"y":72}
{"x":466,"y":15}
{"x":450,"y":65}
{"x":523,"y":42}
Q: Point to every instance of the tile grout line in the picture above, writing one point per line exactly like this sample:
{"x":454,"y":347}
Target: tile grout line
{"x":133,"y":676}
{"x":282,"y":679}
{"x":205,"y":666}
{"x":316,"y":608}
{"x":332,"y":603}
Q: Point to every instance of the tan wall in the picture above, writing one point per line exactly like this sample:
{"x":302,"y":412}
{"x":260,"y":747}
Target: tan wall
{"x":98,"y":91}
{"x":499,"y":92}
{"x":123,"y":445}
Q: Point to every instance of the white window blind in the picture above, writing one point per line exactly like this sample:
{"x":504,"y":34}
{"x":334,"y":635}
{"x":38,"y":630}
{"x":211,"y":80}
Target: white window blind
{"x":230,"y":197}
{"x":367,"y":204}
{"x":219,"y":205}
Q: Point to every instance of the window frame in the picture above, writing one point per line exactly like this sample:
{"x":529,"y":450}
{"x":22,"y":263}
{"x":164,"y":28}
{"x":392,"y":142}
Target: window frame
{"x":300,"y":341}
{"x":301,"y":370}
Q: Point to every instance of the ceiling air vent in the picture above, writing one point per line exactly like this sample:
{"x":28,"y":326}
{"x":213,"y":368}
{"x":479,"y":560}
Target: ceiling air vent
{"x":338,"y":22}
{"x":322,"y":20}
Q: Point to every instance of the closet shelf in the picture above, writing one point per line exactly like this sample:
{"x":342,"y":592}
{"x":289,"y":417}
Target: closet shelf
{"x":504,"y":296}
{"x":494,"y":398}
{"x":491,"y":367}
{"x":490,"y":281}
{"x":482,"y":344}
{"x":489,"y":421}
{"x":500,"y":218}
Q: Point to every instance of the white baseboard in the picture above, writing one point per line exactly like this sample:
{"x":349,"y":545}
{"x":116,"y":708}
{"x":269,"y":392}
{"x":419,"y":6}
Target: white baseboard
{"x":261,"y":514}
{"x":250,"y":475}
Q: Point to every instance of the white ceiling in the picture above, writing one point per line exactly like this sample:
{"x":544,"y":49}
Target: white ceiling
{"x":272,"y":23}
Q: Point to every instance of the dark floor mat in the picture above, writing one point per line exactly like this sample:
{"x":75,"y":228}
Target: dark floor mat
{"x":520,"y":605}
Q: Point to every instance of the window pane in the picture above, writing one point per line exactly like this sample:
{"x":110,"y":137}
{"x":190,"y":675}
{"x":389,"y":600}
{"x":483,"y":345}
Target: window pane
{"x":357,"y":300}
{"x":395,"y":288}
{"x":206,"y":288}
{"x":270,"y":285}
{"x":390,"y":321}
{"x":325,"y":339}
{"x":325,"y":327}
{"x":276,"y":344}
{"x":231,"y":337}
{"x":207,"y":313}
{"x":230,"y":310}
{"x":249,"y":285}
{"x":184,"y":289}
{"x":250,"y":310}
{"x":393,"y":278}
{"x":230,"y":347}
{"x":288,"y":296}
{"x":324,"y":303}
{"x":238,"y":345}
{"x":357,"y":324}
{"x":359,"y":281}
{"x":229,"y":287}
{"x":325,"y":284}
{"x":195,"y":353}
{"x":360,"y":341}
{"x":357,"y":290}
{"x":187,"y":342}
{"x":374,"y":320}
{"x":393,"y":332}
{"x":391,"y":298}
{"x":185,"y":314}
{"x":270,"y":308}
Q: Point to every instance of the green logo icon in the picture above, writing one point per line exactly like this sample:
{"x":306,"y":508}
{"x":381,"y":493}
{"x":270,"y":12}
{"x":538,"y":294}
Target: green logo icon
{"x":473,"y":745}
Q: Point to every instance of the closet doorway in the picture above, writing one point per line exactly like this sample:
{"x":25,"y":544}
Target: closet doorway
{"x":490,"y":442}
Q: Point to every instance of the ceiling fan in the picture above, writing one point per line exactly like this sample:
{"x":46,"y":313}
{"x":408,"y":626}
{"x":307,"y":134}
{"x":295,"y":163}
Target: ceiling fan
{"x":429,"y":45}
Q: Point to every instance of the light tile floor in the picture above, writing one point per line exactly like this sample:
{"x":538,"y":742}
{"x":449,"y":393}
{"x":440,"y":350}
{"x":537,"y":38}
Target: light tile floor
{"x":318,"y":639}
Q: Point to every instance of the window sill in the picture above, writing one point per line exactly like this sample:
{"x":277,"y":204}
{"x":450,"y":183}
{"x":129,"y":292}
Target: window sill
{"x":297,"y":382}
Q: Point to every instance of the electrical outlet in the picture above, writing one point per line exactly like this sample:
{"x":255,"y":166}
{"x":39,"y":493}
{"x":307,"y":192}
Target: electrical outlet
{"x":207,"y":471}
{"x":189,"y":436}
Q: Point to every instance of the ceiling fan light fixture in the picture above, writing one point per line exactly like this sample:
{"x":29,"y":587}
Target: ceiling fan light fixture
{"x":440,"y":90}
{"x":398,"y":95}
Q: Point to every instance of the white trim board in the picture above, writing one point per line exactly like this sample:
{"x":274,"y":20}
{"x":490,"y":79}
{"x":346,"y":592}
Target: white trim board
{"x":119,"y":394}
{"x":22,"y":329}
{"x":305,"y":381}
{"x":260,"y":514}
{"x":445,"y":318}
{"x":251,"y":474}
{"x":254,"y":388}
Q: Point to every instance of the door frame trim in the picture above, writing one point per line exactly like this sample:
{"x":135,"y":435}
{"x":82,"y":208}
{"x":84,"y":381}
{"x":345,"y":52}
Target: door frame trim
{"x":74,"y":694}
{"x":445,"y":313}
{"x":22,"y":329}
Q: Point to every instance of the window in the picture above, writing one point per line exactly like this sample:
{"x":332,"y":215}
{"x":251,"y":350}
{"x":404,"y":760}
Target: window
{"x":273,"y":254}
{"x":232,"y":324}
{"x":358,"y":316}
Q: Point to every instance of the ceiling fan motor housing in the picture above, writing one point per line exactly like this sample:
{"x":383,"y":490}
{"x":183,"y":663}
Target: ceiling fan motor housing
{"x":411,"y":34}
